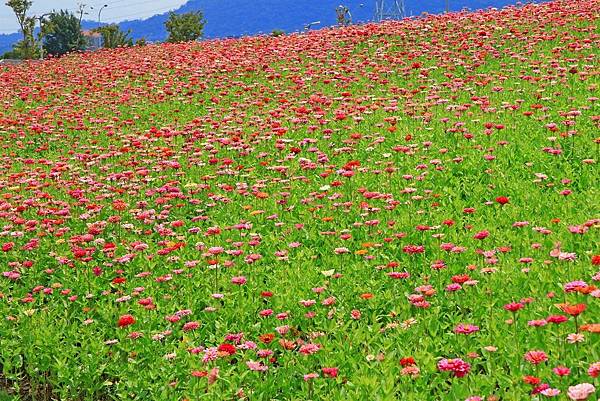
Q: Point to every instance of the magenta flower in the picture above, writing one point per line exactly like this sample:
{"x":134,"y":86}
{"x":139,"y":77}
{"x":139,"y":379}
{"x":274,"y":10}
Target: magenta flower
{"x":466,"y":329}
{"x":457,"y":366}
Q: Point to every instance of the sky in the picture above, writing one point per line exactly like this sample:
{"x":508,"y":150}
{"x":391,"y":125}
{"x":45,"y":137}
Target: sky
{"x":117,"y":10}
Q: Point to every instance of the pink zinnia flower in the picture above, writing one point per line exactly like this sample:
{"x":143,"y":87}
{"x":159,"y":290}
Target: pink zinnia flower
{"x":482,"y":234}
{"x":310,"y":376}
{"x":210,"y":354}
{"x":513,"y":306}
{"x":189,"y":326}
{"x":581,"y":391}
{"x":561,"y":370}
{"x":213,"y":375}
{"x":411,"y":370}
{"x":466,"y":329}
{"x":550,"y":392}
{"x":241,"y":280}
{"x":309,"y":349}
{"x":536,"y":357}
{"x":256,"y":366}
{"x":457,"y":366}
{"x":594,"y":369}
{"x":556,"y":319}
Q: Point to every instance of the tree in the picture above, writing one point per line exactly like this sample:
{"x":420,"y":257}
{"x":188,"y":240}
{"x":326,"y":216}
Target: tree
{"x":113,"y":36}
{"x":185,"y":27}
{"x":25,"y":48}
{"x":62,"y":34}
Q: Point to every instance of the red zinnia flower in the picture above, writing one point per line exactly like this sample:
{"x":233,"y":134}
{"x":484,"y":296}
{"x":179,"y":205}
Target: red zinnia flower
{"x":482,"y":234}
{"x":503,"y":200}
{"x":514,"y":306}
{"x":330,"y":372}
{"x":408,"y":361}
{"x":126,"y":320}
{"x":556,"y":319}
{"x":534,"y":381}
{"x":226,"y":348}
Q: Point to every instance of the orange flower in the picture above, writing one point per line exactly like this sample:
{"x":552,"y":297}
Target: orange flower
{"x":266,"y":338}
{"x":573,"y":310}
{"x":287,"y":344}
{"x":588,"y":289}
{"x":591,"y":327}
{"x":119,"y":205}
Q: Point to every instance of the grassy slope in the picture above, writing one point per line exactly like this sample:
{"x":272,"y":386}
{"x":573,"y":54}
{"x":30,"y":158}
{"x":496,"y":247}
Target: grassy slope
{"x":113,"y":124}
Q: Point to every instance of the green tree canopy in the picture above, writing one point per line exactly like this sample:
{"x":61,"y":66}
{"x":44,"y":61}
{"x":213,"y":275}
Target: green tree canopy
{"x":113,"y":36}
{"x":62,"y":34}
{"x":25,"y":48}
{"x":185,"y":27}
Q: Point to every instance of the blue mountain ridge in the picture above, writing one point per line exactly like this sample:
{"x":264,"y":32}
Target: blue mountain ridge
{"x":233,"y":18}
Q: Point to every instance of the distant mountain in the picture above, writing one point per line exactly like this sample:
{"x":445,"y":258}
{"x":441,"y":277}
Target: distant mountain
{"x":6,"y":41}
{"x":244,"y":17}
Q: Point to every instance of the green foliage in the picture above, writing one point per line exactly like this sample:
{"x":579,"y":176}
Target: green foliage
{"x":347,"y":174}
{"x":62,"y":34}
{"x":277,"y":32}
{"x":185,"y":27}
{"x":113,"y":36}
{"x":20,"y":7}
{"x":141,"y":42}
{"x":11,"y":54}
{"x":26,"y":48}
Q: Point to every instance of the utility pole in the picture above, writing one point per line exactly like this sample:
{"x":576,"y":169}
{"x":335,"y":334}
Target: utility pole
{"x":99,"y":44}
{"x":447,"y":6}
{"x":100,"y":12}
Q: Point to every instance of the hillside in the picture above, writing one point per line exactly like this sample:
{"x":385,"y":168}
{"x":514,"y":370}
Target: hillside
{"x":242,"y":17}
{"x":404,"y":210}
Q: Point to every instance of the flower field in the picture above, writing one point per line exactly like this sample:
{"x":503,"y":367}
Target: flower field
{"x":398,"y":211}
